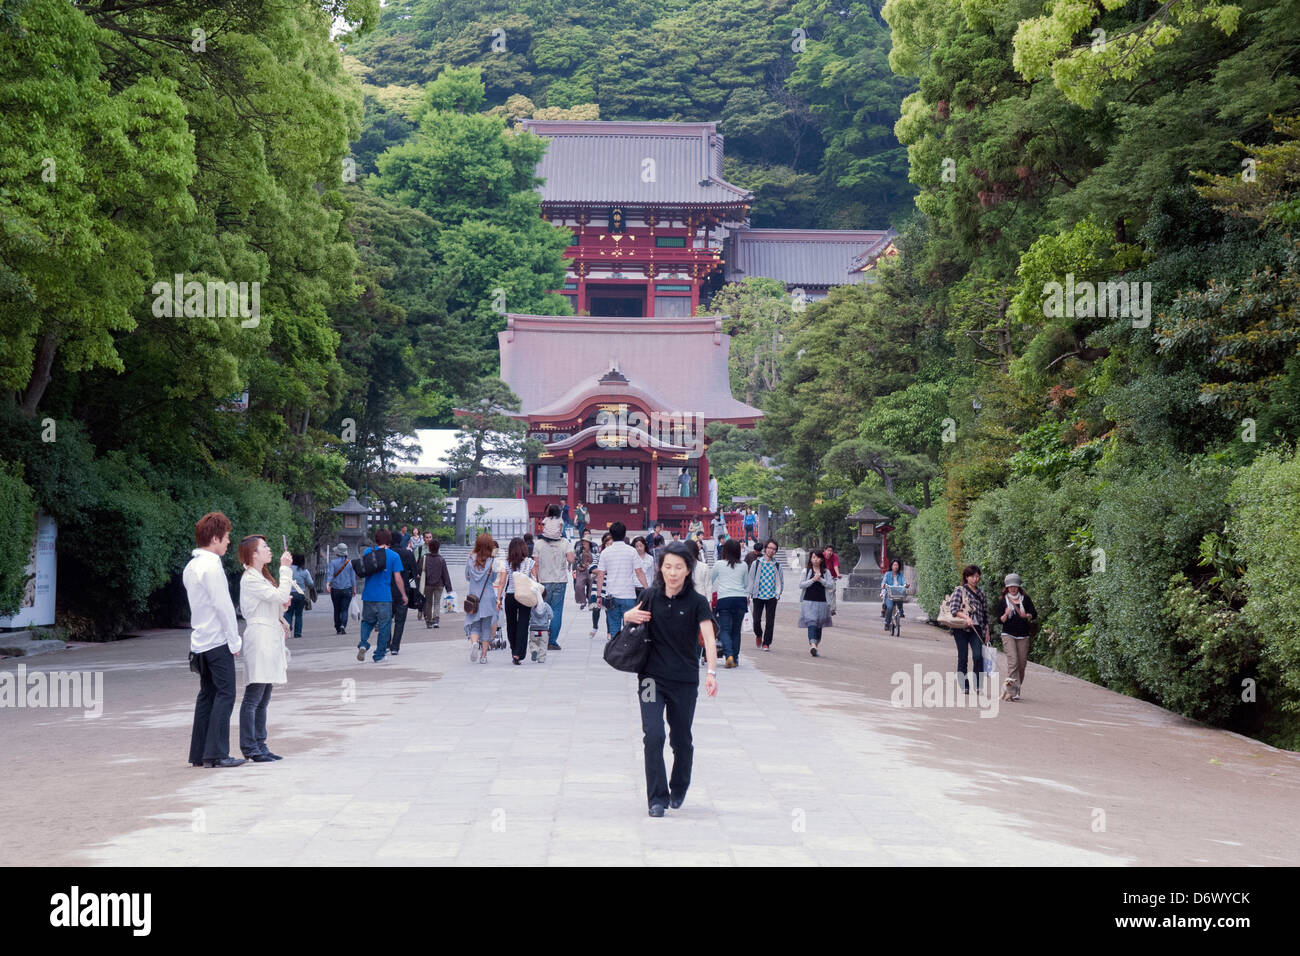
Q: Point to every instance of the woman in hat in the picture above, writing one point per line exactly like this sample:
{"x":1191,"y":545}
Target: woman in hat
{"x":1016,"y":612}
{"x":340,"y":585}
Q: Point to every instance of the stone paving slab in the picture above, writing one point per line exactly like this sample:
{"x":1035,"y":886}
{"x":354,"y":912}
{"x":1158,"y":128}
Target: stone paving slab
{"x":431,"y":760}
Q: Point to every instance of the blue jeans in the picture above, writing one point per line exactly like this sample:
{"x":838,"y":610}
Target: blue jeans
{"x":252,"y":719}
{"x":553,"y":594}
{"x":614,"y":616}
{"x":731,"y":614}
{"x":814,"y":635}
{"x":969,"y":640}
{"x":376,"y":614}
{"x":294,"y":614}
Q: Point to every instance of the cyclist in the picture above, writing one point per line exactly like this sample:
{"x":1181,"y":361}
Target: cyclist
{"x":892,"y":579}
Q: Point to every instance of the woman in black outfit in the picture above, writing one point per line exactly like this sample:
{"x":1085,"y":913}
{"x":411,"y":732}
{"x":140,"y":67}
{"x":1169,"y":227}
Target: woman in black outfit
{"x":679,"y":618}
{"x":517,"y":559}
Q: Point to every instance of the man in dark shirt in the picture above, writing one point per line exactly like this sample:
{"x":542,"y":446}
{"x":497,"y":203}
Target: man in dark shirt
{"x":679,"y":616}
{"x":399,"y":598}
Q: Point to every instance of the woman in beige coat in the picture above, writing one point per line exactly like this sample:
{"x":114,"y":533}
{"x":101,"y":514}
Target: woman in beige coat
{"x":266,"y":658}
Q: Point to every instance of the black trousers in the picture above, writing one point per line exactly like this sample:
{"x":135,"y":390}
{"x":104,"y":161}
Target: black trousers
{"x":517,"y":626}
{"x":764,"y":607}
{"x":677,"y":700}
{"x":399,"y":625}
{"x":341,"y":598}
{"x":210,"y":739}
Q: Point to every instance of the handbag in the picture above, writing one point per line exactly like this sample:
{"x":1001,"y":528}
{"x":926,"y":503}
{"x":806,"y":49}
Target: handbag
{"x":629,"y":649}
{"x":472,"y":600}
{"x":525,"y":591}
{"x":950,"y":621}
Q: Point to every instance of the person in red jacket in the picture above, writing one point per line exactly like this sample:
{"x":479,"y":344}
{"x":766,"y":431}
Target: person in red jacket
{"x":833,"y":566}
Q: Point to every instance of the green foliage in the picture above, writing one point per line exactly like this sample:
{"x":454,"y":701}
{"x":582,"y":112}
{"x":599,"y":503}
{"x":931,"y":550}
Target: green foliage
{"x":1265,"y":535}
{"x":749,"y":479}
{"x":16,"y":531}
{"x":936,"y":564}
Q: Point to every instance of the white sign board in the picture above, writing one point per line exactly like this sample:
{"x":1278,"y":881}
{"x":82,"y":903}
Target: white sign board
{"x":37,"y":608}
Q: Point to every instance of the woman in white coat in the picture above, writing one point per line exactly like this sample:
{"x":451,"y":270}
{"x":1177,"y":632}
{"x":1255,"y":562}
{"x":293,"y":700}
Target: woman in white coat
{"x":266,"y":658}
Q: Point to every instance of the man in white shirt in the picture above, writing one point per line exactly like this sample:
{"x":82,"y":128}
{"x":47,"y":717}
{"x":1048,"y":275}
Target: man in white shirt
{"x":620,"y":572}
{"x":214,"y":640}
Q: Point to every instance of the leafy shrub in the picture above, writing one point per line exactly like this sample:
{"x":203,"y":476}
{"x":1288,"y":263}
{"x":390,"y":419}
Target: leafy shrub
{"x":16,"y":530}
{"x":936,"y":565}
{"x":1265,"y":534}
{"x":1148,"y":523}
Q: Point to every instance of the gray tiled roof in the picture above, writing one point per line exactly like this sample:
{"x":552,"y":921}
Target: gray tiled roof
{"x":596,"y":162}
{"x":803,"y":257}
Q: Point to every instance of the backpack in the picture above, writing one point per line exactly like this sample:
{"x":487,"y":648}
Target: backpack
{"x":373,"y":562}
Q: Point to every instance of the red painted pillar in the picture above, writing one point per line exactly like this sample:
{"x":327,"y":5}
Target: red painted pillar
{"x":572,"y":484}
{"x":654,"y":487}
{"x":703,"y":479}
{"x":582,"y":295}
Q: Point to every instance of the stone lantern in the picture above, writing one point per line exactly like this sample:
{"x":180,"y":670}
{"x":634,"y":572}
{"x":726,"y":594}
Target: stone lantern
{"x":353,"y":532}
{"x":864,"y":580}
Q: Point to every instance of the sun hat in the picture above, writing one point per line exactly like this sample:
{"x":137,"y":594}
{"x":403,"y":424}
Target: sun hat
{"x":1012,"y":580}
{"x":341,"y":549}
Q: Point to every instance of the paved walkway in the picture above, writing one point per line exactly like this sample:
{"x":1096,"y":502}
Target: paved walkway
{"x":431,"y":759}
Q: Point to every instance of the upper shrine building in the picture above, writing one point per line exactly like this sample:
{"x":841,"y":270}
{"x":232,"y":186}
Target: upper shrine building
{"x":620,"y":392}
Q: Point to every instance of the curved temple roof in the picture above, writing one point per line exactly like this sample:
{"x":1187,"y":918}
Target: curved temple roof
{"x":556,"y":364}
{"x":606,"y":164}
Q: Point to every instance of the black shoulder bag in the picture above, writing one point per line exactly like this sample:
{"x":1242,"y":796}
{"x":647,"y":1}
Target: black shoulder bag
{"x":629,"y":649}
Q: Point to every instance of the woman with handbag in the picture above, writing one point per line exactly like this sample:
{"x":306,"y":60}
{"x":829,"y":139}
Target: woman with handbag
{"x":480,"y":598}
{"x":968,"y":609}
{"x":814,"y":607}
{"x":266,"y":658}
{"x":669,"y":682}
{"x":1017,"y":613}
{"x":517,"y":560}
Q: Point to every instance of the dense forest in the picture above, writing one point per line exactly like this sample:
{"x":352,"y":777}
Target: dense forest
{"x":1082,"y":366}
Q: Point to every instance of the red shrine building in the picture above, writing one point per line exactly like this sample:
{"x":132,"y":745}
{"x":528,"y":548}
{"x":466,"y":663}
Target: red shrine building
{"x":620,"y":393}
{"x":620,"y":405}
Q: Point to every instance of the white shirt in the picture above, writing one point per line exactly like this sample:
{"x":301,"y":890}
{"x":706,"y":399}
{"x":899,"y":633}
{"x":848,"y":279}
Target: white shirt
{"x":648,"y":566}
{"x":713,"y":494}
{"x":212,"y":613}
{"x":619,"y":562}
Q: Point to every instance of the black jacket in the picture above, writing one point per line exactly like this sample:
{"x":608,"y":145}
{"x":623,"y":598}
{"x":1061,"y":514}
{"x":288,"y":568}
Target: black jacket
{"x":1016,"y":625}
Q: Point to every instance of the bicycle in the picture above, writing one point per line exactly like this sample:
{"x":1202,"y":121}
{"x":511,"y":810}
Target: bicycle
{"x":896,"y":596}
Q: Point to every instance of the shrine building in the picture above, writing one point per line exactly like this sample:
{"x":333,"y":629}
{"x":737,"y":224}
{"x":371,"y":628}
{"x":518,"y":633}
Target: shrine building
{"x":620,"y":392}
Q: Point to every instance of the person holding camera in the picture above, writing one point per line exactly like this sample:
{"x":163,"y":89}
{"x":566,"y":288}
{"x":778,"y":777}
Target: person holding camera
{"x":266,"y":661}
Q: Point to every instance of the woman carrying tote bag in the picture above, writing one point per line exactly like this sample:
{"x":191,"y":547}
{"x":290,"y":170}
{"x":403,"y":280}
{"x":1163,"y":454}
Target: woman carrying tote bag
{"x":266,"y":658}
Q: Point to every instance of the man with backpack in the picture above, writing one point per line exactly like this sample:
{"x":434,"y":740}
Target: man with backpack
{"x":382,"y":569}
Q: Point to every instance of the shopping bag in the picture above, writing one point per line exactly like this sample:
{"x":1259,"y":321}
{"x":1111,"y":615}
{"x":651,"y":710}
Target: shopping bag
{"x":990,"y":658}
{"x":354,"y":609}
{"x":448,"y":603}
